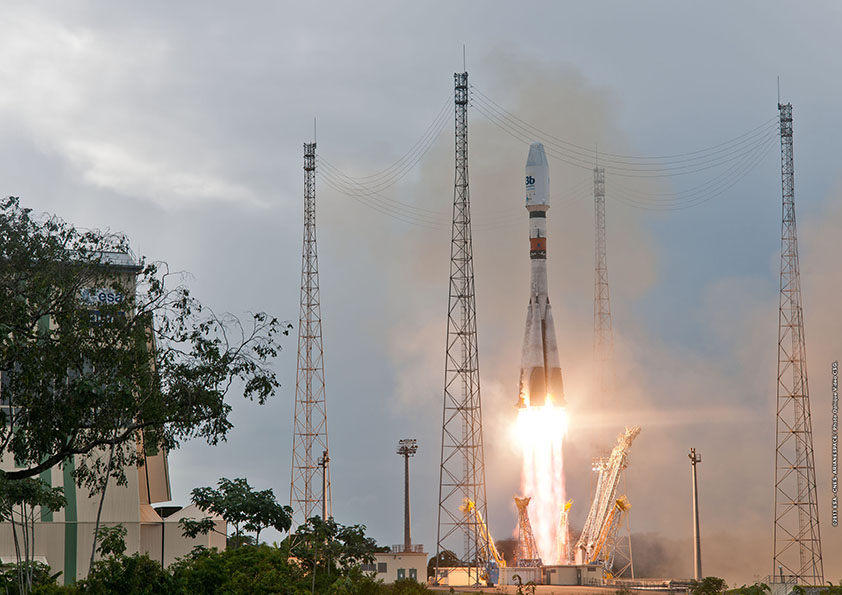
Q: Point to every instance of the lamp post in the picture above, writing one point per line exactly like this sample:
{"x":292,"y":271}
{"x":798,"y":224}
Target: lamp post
{"x":407,"y":448}
{"x":697,"y":544}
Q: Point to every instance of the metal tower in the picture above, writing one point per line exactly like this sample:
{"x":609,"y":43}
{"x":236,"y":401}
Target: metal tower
{"x":462,"y":473}
{"x":310,"y":493}
{"x":797,"y":542}
{"x":526,"y":555}
{"x":603,"y":346}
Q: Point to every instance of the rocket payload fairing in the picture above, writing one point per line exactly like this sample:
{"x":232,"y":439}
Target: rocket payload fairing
{"x":540,"y":370}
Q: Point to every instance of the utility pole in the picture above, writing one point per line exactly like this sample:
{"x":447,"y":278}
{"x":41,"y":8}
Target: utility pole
{"x":323,"y":463}
{"x":697,"y":543}
{"x":407,"y":448}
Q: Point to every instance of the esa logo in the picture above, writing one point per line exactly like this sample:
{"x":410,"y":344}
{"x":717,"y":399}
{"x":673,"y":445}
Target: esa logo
{"x":101,"y":296}
{"x":530,"y":181}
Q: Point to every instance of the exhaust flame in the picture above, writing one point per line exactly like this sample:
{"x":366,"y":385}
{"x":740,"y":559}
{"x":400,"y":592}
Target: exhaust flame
{"x":541,"y":431}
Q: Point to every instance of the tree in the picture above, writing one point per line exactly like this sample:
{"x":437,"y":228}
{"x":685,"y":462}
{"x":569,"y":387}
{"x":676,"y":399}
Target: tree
{"x":97,"y":357}
{"x":755,"y":589}
{"x":18,"y":501}
{"x":240,"y":506}
{"x":446,"y":559}
{"x":328,"y":547}
{"x":709,"y":585}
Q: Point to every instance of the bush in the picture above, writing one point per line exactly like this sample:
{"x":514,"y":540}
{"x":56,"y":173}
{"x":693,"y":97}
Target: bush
{"x":404,"y":587}
{"x":127,"y":575}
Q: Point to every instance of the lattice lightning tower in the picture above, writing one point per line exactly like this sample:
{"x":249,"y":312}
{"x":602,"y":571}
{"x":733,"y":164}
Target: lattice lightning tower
{"x":462,"y":473}
{"x":603,"y":333}
{"x":797,"y":542}
{"x":603,"y":348}
{"x":310,"y":491}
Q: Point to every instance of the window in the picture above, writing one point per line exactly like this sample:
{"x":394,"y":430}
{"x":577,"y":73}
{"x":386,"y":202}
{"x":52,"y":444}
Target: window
{"x":381,"y":567}
{"x":401,"y":573}
{"x":413,"y":574}
{"x":368,"y":567}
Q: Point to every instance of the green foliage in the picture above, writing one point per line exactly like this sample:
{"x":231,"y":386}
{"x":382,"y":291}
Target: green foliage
{"x":331,"y":548}
{"x":755,"y":589}
{"x":28,"y":492}
{"x":710,"y":585}
{"x":356,"y":582}
{"x":523,"y":589}
{"x":404,"y":587}
{"x":41,"y":574}
{"x":247,"y":570}
{"x":241,"y":506}
{"x":257,"y":569}
{"x":127,"y":575}
{"x":81,"y":373}
{"x":18,"y":501}
{"x":832,"y":589}
{"x":112,"y":541}
{"x":445,"y":558}
{"x":235,"y":541}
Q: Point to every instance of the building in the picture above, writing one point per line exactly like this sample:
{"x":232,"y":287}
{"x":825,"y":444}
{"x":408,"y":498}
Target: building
{"x":63,"y":539}
{"x":399,"y":564}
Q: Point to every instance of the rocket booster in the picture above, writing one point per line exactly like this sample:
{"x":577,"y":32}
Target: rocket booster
{"x":540,"y":370}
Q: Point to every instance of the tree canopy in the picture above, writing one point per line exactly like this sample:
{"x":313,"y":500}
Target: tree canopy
{"x":241,"y":506}
{"x":331,"y":547}
{"x":95,"y":351}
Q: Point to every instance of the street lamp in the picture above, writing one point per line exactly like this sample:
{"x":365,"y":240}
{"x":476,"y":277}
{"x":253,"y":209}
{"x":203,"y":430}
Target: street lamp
{"x":407,"y":448}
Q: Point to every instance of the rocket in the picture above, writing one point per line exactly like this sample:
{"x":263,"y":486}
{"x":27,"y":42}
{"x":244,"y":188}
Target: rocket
{"x":540,"y":370}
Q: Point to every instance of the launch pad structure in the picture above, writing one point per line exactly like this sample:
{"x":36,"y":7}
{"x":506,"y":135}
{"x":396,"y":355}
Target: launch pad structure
{"x":527,"y":550}
{"x":599,"y":533}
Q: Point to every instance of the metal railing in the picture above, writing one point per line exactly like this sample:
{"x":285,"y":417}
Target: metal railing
{"x":400,"y":548}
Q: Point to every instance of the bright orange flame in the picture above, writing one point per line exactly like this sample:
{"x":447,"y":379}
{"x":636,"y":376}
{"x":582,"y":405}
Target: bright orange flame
{"x":541,"y":431}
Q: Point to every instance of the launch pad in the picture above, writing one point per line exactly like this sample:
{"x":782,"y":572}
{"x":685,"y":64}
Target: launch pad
{"x":544,"y":553}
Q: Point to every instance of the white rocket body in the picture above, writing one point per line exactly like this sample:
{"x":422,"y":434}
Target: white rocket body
{"x":540,"y":371}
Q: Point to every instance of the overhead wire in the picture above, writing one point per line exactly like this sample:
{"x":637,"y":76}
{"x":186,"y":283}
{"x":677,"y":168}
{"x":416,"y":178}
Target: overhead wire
{"x":526,"y":135}
{"x":701,"y":188}
{"x":733,"y":159}
{"x":608,"y":156}
{"x":713,"y":193}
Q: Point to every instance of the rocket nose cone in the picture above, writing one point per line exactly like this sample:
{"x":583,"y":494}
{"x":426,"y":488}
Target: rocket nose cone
{"x":536,"y":155}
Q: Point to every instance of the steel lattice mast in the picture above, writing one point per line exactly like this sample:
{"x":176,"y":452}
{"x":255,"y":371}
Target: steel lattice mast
{"x":462,"y":473}
{"x":603,"y":349}
{"x":310,"y":492}
{"x":797,"y":542}
{"x":603,"y":334}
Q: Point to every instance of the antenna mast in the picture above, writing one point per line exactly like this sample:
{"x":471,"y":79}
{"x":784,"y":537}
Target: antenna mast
{"x":462,"y":472}
{"x":797,"y":542}
{"x":308,"y":496}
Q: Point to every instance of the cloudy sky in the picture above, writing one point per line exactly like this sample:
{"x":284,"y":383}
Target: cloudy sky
{"x":181,"y":124}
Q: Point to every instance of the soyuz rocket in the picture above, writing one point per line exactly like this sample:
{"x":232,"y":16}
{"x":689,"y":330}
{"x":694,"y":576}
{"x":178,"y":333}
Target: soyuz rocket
{"x":540,"y":370}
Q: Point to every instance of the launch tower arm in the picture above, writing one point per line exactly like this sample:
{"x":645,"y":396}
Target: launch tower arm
{"x":602,"y":511}
{"x":488,"y":547}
